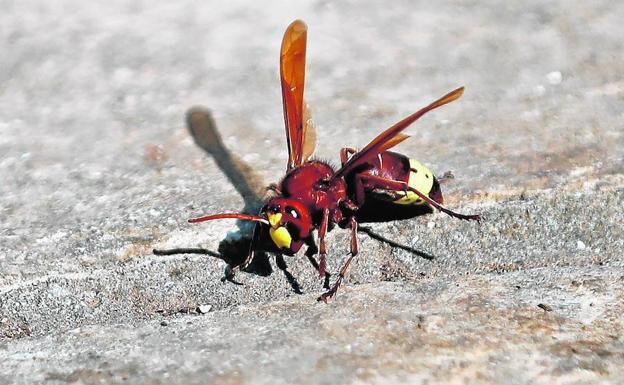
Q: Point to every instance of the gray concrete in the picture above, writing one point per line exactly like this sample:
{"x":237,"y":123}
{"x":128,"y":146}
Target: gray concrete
{"x":97,"y":168}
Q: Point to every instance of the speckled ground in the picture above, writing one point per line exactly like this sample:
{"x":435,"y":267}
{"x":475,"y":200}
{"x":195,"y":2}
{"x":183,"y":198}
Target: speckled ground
{"x":97,"y":169}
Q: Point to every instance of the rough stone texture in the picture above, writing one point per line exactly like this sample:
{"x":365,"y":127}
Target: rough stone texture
{"x":97,"y":168}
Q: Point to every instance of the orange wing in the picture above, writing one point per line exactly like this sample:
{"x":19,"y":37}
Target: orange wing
{"x":292,"y":74}
{"x":393,"y":136}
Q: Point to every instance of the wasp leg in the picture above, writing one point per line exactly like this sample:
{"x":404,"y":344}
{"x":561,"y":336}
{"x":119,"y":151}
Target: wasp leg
{"x":360,"y":192}
{"x":322,"y":250}
{"x":343,"y":270}
{"x":378,"y":182}
{"x":344,"y":154}
{"x":309,"y":253}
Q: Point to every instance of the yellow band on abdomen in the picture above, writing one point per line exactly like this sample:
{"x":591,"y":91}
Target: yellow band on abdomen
{"x":421,"y":179}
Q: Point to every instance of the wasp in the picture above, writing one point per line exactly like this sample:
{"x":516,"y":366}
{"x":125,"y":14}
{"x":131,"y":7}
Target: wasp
{"x":372,"y":184}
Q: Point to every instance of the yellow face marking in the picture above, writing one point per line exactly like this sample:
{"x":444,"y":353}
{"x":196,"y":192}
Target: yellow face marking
{"x":281,"y":237}
{"x":274,"y":220}
{"x":421,"y":179}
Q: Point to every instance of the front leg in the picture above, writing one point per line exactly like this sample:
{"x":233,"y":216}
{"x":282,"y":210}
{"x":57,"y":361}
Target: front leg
{"x":310,"y":253}
{"x":343,"y":270}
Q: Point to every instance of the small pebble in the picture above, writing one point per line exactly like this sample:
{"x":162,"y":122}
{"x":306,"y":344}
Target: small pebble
{"x":203,"y":309}
{"x":580,"y":245}
{"x":164,"y":323}
{"x":431,"y":224}
{"x":554,"y":78}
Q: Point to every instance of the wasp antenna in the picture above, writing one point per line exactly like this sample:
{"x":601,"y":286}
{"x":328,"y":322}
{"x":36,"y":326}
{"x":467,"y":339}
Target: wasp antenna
{"x":246,"y":217}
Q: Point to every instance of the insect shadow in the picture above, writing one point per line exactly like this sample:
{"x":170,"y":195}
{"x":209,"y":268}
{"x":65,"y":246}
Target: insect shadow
{"x":235,"y":247}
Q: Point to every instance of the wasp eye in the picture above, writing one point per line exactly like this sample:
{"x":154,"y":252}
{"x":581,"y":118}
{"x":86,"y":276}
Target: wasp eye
{"x":290,"y":210}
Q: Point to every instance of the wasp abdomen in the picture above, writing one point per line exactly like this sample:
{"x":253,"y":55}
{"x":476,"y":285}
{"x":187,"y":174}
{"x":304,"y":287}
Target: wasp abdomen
{"x":395,"y":166}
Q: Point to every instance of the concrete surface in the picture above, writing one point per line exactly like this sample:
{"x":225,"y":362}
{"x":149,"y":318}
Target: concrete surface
{"x":97,"y":169}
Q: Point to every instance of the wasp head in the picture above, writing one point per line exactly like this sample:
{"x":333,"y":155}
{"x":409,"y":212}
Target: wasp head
{"x":290,"y":223}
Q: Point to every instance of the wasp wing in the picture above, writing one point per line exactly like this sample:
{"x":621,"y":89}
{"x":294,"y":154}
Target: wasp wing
{"x":392,"y":136}
{"x":292,"y":75}
{"x":309,"y":134}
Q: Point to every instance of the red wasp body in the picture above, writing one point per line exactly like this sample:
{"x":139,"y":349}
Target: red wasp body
{"x":372,"y":184}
